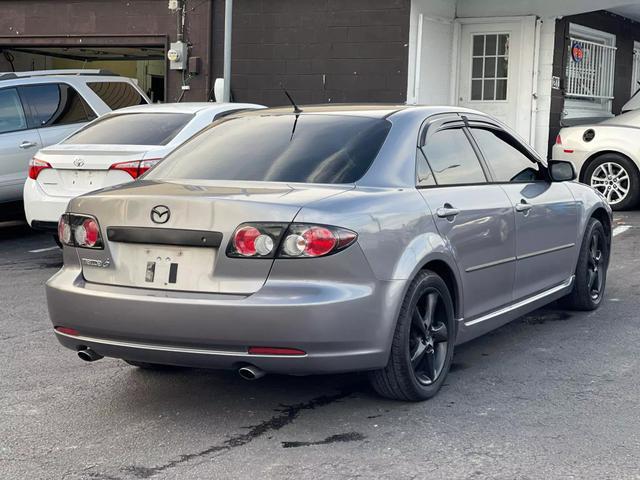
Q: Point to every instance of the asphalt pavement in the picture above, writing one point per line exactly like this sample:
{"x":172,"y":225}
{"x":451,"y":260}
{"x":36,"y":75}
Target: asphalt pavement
{"x":553,"y":395}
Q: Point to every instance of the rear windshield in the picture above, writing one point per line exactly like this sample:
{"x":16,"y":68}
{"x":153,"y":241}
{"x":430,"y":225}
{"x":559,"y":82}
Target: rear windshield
{"x":132,"y":129}
{"x":285,"y":148}
{"x":117,"y":94}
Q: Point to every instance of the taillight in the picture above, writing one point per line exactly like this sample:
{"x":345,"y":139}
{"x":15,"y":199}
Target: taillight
{"x":298,"y":240}
{"x":36,"y":166}
{"x":558,"y":140}
{"x":135,"y":168}
{"x":79,"y":231}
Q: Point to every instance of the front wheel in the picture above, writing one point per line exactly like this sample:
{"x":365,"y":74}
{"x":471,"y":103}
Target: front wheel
{"x":422,"y":346}
{"x":591,"y":270}
{"x":616,"y":178}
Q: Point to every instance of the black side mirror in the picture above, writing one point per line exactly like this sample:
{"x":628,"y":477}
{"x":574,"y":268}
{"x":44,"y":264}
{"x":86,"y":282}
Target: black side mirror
{"x":561,"y":171}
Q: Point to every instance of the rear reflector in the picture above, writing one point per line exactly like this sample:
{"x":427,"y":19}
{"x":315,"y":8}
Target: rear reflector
{"x":67,"y":331}
{"x":566,"y":150}
{"x":275,"y":351}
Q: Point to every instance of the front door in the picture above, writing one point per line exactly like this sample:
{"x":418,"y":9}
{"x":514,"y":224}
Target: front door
{"x":475,"y":217}
{"x":495,"y":70}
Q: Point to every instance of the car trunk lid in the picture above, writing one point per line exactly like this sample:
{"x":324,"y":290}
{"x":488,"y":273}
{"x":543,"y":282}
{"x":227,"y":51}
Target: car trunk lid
{"x":140,"y":252}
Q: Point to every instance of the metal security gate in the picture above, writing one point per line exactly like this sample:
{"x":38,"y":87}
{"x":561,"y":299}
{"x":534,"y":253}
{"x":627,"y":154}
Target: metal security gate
{"x":590,"y":70}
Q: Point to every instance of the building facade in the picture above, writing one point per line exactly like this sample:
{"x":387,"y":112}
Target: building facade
{"x":535,"y":64}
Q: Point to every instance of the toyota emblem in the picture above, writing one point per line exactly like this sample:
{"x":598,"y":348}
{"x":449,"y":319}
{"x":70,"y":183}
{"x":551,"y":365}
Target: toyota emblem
{"x":78,"y":162}
{"x":160,"y":214}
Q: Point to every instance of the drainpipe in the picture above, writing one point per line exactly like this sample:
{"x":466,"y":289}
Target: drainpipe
{"x":534,"y":94}
{"x":228,"y":14}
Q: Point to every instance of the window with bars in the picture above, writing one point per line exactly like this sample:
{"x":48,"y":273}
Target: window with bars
{"x":490,"y":67}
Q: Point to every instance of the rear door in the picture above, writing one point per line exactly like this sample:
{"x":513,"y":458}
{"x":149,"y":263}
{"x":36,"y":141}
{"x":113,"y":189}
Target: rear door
{"x":546,"y":212}
{"x":475,"y":217}
{"x":18,"y":143}
{"x":56,"y":110}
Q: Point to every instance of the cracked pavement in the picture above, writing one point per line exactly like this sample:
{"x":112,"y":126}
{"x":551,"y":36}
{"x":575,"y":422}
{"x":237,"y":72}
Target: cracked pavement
{"x":551,"y":395}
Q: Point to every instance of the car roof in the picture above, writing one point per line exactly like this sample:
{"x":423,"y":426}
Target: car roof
{"x":186,"y":107}
{"x":70,"y":79}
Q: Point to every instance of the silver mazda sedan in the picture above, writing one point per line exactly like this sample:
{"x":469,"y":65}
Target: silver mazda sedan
{"x":332,"y":239}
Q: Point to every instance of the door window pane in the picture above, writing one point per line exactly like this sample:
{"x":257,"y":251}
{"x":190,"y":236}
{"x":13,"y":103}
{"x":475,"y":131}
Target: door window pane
{"x":452,"y":158}
{"x":12,"y":116}
{"x":507,"y":163}
{"x":57,"y":104}
{"x":494,"y":58}
{"x":117,"y":94}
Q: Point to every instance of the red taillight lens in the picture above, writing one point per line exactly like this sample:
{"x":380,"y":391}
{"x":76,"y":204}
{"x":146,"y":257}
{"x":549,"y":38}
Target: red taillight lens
{"x":315,"y":241}
{"x":79,"y":231}
{"x":36,"y":166}
{"x":244,"y":241}
{"x":135,"y":168}
{"x":275,"y":351}
{"x":319,"y":241}
{"x":67,"y":330}
{"x":256,"y":240}
{"x":558,"y":140}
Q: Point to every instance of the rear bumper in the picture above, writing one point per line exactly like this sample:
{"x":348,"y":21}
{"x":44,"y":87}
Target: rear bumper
{"x":341,"y":327}
{"x":42,"y":209}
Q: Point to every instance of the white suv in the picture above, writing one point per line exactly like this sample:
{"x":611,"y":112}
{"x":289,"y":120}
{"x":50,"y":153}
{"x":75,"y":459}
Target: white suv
{"x":41,"y":108}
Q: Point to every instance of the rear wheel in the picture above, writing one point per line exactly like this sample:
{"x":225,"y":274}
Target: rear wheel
{"x":422,"y":347}
{"x":591,"y":270}
{"x":616,"y":178}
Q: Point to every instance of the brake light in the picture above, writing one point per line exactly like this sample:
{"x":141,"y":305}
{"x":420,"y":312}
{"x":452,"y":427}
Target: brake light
{"x":135,"y":168}
{"x":36,"y":166}
{"x":79,"y":231}
{"x":257,"y":240}
{"x":558,"y":140}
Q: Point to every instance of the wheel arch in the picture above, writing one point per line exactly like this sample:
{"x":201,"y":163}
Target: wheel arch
{"x":594,"y":156}
{"x":601,"y":214}
{"x":447,"y":273}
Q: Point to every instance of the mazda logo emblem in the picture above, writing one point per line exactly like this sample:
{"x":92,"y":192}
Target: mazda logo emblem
{"x":160,"y":214}
{"x":78,"y":162}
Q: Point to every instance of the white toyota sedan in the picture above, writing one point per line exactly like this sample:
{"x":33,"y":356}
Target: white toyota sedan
{"x":606,"y":155}
{"x":114,"y":149}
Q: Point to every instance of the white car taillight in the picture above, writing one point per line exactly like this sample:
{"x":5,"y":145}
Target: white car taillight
{"x":135,"y":168}
{"x":79,"y":231}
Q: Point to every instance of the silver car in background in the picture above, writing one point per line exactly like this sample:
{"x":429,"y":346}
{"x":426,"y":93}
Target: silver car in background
{"x":339,"y":238}
{"x":40,"y":108}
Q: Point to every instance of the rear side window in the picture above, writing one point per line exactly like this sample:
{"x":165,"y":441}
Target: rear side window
{"x":132,"y":129}
{"x":56,"y":104}
{"x":303,"y":148}
{"x":506,"y":162}
{"x":12,"y":117}
{"x":117,"y":94}
{"x":452,"y":158}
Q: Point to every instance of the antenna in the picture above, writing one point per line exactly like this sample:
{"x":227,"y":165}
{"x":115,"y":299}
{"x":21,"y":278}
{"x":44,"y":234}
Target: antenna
{"x":296,"y":109}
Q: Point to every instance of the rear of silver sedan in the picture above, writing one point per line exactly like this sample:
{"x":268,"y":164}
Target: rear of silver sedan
{"x":218,"y":274}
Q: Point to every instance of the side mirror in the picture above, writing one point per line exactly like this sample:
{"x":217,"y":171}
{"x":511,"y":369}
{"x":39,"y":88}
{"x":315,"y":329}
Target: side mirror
{"x":561,"y":171}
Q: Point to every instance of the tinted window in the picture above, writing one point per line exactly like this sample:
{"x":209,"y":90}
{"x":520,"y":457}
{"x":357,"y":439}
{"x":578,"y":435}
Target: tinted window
{"x":132,"y":129}
{"x":452,"y":158}
{"x":507,"y":163}
{"x":56,"y":104}
{"x":117,"y":94}
{"x":12,"y":116}
{"x":284,"y":148}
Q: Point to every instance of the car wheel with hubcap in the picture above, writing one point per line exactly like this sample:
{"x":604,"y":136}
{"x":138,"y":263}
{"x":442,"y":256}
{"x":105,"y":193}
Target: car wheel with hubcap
{"x":591,"y":270}
{"x":422,"y":346}
{"x":616,"y":178}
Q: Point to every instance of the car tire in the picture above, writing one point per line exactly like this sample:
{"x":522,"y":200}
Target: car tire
{"x":596,"y":176}
{"x":57,"y":240}
{"x":426,"y":331}
{"x":146,"y":366}
{"x":591,"y":270}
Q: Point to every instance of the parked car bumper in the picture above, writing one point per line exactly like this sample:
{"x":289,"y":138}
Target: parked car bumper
{"x":40,"y":208}
{"x":341,"y":327}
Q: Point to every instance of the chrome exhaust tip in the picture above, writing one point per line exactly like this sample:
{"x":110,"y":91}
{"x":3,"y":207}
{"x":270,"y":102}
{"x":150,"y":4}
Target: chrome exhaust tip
{"x":89,"y":355}
{"x":250,"y":372}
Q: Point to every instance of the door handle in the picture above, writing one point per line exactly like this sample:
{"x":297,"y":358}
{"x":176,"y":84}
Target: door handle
{"x":26,"y":144}
{"x":447,"y":211}
{"x":523,"y":207}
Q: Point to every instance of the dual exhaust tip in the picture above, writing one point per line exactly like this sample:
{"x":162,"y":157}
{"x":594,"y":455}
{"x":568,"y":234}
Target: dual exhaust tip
{"x":248,"y":372}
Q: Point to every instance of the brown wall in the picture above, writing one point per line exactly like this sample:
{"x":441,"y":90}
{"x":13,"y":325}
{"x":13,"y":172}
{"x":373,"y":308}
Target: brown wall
{"x":109,"y":22}
{"x":319,"y":50}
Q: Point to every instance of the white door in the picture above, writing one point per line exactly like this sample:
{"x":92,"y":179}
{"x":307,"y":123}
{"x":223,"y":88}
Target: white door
{"x":495,"y":70}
